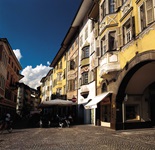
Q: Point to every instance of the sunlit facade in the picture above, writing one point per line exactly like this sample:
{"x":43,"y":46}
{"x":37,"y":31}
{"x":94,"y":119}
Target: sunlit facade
{"x":116,"y":54}
{"x":9,"y":77}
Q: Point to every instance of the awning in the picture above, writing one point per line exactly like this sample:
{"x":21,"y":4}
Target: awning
{"x":93,"y":103}
{"x":58,"y":102}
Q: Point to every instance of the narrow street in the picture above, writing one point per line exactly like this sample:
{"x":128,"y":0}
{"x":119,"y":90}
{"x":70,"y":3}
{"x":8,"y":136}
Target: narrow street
{"x":81,"y":137}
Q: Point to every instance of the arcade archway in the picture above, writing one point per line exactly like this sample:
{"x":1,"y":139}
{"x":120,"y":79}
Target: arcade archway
{"x":135,"y":100}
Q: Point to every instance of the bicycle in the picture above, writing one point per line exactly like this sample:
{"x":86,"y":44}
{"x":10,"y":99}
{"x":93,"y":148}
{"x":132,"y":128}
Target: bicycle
{"x":5,"y":126}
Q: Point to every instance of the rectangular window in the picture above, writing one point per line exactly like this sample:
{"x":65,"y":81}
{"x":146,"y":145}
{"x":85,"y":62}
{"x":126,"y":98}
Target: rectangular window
{"x":8,"y":94}
{"x":146,"y":11}
{"x":112,"y":41}
{"x":111,"y":6}
{"x":85,"y":78}
{"x":142,"y":17}
{"x":132,"y":112}
{"x":71,"y":85}
{"x":60,"y":65}
{"x":103,"y":10}
{"x":59,"y":91}
{"x":72,"y":65}
{"x":149,"y":11}
{"x":59,"y":76}
{"x":85,"y":52}
{"x":103,"y":46}
{"x":127,"y":31}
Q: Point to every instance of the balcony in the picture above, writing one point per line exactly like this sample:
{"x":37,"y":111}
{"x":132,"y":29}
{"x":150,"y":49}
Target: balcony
{"x":85,"y":61}
{"x":59,"y":70}
{"x":109,"y":63}
{"x":109,"y":20}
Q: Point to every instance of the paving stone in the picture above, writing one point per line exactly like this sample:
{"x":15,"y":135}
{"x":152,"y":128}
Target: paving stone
{"x":82,"y":137}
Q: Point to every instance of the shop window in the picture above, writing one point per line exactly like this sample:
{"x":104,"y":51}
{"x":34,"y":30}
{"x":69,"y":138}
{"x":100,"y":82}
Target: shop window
{"x":131,"y":112}
{"x":106,"y":113}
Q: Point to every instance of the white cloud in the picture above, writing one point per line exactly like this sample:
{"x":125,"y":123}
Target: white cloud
{"x":48,"y":63}
{"x":17,"y":53}
{"x":32,"y":76}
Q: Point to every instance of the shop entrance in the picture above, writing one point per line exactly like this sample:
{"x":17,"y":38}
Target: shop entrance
{"x":152,"y":109}
{"x":136,"y":97}
{"x":152,"y":103}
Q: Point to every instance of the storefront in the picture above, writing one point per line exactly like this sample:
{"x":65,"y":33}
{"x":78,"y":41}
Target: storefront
{"x":105,"y":107}
{"x":101,"y":107}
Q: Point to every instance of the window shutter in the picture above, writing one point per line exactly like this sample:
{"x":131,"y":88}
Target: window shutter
{"x":132,"y":24}
{"x":96,"y":30}
{"x":68,"y":65}
{"x":97,"y":48}
{"x":149,"y":11}
{"x":142,"y":17}
{"x":89,"y":76}
{"x":118,"y":4}
{"x":120,"y":37}
{"x":76,"y":84}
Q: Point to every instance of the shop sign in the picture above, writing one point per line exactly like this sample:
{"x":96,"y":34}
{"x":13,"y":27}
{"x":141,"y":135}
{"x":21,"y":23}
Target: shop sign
{"x":105,"y":101}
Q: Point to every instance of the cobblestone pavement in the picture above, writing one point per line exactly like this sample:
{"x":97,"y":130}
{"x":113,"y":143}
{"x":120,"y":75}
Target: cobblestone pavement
{"x":82,"y":137}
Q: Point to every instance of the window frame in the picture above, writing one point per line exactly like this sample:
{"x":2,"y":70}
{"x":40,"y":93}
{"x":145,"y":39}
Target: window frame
{"x":85,"y":52}
{"x":85,"y":78}
{"x":136,"y":113}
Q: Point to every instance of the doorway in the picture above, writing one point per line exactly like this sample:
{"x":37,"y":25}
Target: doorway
{"x":152,"y":109}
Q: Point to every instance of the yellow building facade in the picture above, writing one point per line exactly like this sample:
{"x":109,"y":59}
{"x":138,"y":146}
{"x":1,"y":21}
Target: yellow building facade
{"x":124,"y":55}
{"x":59,"y":77}
{"x":126,"y":70}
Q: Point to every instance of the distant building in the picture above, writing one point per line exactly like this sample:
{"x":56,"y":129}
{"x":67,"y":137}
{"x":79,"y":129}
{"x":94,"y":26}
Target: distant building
{"x":27,"y":100}
{"x":46,"y":87}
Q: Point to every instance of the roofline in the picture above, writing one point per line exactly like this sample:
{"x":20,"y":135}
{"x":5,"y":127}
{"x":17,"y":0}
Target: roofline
{"x":80,"y":14}
{"x":11,"y":51}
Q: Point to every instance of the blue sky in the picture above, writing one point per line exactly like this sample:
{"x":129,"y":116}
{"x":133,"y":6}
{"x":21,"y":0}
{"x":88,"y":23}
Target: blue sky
{"x":35,"y":30}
